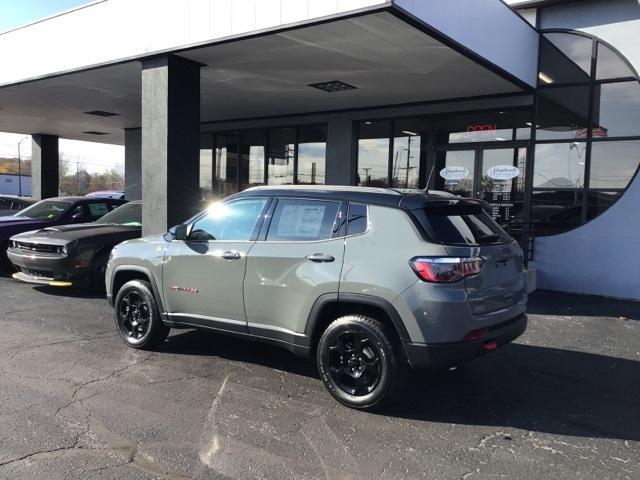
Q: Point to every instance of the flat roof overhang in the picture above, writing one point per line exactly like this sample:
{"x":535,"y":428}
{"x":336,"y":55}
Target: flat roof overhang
{"x":390,"y":54}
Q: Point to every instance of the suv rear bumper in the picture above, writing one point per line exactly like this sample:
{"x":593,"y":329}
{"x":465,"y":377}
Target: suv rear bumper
{"x":443,"y":355}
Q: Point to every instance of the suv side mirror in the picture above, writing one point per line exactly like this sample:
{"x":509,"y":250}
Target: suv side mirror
{"x":182,"y":231}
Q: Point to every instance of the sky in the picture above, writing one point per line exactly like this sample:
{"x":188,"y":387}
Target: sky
{"x":95,"y":157}
{"x":16,"y":13}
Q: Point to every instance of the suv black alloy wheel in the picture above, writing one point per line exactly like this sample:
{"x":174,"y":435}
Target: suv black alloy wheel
{"x":358,"y":362}
{"x":137,"y":316}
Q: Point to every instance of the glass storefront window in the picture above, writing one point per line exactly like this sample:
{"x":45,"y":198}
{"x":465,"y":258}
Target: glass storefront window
{"x":455,"y":172}
{"x":226,"y":165}
{"x":312,"y":153}
{"x":407,"y":139}
{"x":617,"y":109}
{"x":599,"y":201}
{"x":501,"y":126}
{"x":576,"y":50}
{"x":373,"y":154}
{"x":281,"y":151}
{"x":206,"y":167}
{"x":556,"y":211}
{"x":252,"y":155}
{"x":563,"y":113}
{"x":610,"y":65}
{"x":613,"y":164}
{"x":559,"y":165}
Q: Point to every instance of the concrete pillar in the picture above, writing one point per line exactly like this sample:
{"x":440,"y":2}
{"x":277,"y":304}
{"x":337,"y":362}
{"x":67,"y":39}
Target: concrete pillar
{"x":170,"y":141}
{"x":45,"y":166}
{"x":133,"y":163}
{"x":341,"y":150}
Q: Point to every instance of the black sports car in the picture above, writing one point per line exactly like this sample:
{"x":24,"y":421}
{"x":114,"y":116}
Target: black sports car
{"x":52,"y":211}
{"x":77,"y":254}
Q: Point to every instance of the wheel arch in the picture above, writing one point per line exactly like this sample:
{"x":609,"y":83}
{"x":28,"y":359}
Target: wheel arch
{"x":330,"y":306}
{"x":125,"y":273}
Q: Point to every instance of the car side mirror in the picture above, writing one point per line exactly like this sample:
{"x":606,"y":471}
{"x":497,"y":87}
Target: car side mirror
{"x":181,"y":232}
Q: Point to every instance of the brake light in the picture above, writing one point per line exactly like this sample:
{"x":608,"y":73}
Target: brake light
{"x":445,"y":269}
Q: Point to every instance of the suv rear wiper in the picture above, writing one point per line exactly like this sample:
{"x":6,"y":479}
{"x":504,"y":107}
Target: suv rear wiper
{"x":491,"y":238}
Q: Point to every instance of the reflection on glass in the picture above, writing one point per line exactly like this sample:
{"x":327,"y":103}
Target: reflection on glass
{"x":559,"y":165}
{"x":226,"y":161}
{"x":311,"y":163}
{"x":576,"y":48}
{"x":281,"y":152}
{"x":252,"y":155}
{"x":408,"y":137}
{"x":206,"y":174}
{"x":563,"y":113}
{"x":312,"y":152}
{"x":613,"y":164}
{"x":406,"y":161}
{"x":618,"y":114}
{"x":556,"y":211}
{"x":451,"y":166}
{"x":610,"y":65}
{"x":373,"y":154}
{"x":598,"y":202}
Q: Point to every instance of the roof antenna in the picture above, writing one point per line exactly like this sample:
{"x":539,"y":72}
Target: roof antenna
{"x":426,"y":187}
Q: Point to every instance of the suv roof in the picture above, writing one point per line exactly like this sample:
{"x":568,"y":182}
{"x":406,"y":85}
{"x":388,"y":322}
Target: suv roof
{"x":410,"y":199}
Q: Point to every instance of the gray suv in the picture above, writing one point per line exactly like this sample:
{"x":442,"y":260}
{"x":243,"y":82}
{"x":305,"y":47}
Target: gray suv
{"x":364,"y":280}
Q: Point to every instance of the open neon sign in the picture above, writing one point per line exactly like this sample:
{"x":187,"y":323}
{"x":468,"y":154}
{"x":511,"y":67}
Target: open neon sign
{"x":482,"y":129}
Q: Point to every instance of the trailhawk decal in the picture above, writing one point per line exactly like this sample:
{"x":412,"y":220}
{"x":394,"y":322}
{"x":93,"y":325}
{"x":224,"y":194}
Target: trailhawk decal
{"x":183,"y":289}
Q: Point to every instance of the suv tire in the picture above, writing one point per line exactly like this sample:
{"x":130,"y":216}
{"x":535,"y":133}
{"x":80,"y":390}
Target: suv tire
{"x":137,"y":317}
{"x":358,"y":362}
{"x":98,"y":268}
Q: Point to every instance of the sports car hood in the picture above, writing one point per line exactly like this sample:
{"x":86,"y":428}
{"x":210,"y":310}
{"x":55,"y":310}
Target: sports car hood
{"x":69,"y":233}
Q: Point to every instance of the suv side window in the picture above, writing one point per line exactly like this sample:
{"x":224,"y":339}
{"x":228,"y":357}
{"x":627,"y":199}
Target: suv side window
{"x":303,"y":220}
{"x":358,"y":219}
{"x":235,"y":221}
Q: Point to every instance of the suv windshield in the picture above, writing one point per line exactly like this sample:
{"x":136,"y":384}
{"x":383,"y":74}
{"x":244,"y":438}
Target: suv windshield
{"x":129,"y":214}
{"x":44,"y":210}
{"x":460,"y":225}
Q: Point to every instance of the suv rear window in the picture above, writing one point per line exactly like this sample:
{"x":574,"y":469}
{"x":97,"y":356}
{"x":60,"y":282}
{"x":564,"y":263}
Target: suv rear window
{"x":460,"y":225}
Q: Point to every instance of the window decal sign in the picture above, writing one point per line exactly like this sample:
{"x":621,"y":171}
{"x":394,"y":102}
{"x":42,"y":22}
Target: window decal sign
{"x":454,"y":172}
{"x":503,"y":172}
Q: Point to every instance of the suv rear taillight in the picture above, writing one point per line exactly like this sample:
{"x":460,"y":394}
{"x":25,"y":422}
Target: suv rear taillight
{"x":445,"y":269}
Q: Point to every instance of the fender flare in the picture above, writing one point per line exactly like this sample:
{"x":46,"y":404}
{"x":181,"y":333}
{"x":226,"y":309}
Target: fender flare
{"x":148,"y":274}
{"x":357,"y":298}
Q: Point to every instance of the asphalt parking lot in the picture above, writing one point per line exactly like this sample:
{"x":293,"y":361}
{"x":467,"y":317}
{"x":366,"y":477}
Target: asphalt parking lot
{"x":75,"y":402}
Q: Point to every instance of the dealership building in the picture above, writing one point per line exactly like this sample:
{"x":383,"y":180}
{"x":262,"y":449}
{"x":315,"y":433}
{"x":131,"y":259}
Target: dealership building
{"x":533,"y":106}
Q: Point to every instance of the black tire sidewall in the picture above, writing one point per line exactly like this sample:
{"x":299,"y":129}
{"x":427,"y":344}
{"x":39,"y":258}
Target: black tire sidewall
{"x":156,"y":331}
{"x":97,"y":279}
{"x":380,"y":395}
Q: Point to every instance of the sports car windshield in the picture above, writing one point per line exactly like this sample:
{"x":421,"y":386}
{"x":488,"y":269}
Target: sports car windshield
{"x":44,"y":210}
{"x":129,"y":214}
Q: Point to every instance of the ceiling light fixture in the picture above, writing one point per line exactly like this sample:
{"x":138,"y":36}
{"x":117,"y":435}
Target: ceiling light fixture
{"x":101,"y":113}
{"x":545,"y":78}
{"x":332,"y":86}
{"x":409,"y":132}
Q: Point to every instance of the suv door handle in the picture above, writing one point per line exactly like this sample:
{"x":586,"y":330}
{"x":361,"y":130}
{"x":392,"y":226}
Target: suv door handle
{"x":320,"y":258}
{"x":230,"y":255}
